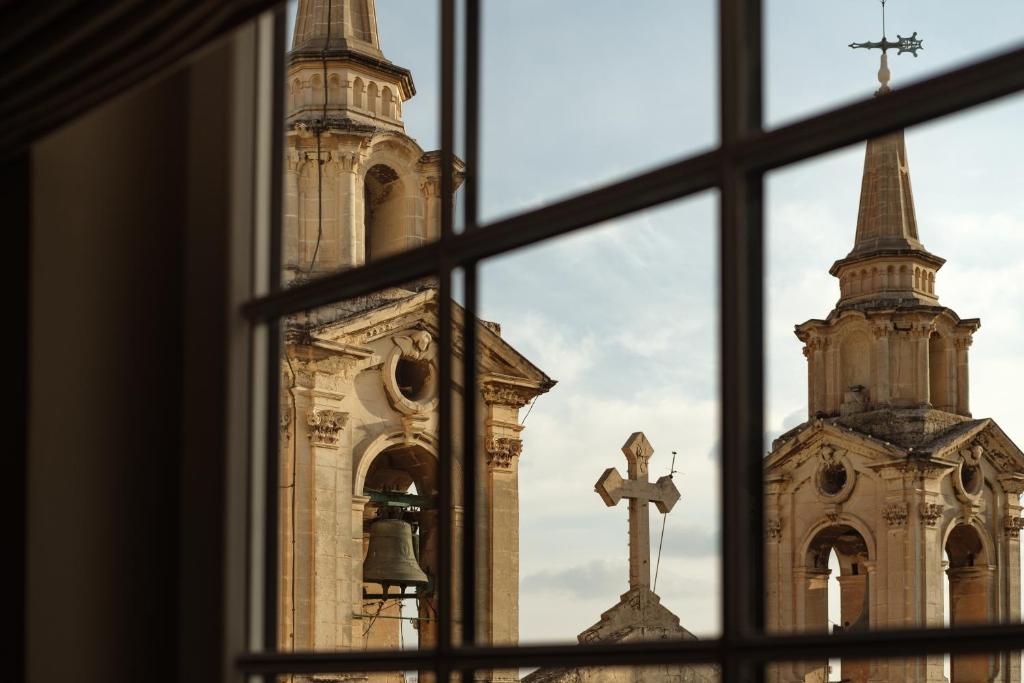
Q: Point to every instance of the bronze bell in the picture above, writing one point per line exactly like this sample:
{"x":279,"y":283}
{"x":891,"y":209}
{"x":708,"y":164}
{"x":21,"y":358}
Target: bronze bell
{"x":391,"y":558}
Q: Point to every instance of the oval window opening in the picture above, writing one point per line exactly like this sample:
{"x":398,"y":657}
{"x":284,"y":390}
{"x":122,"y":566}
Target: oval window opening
{"x":832,"y":479}
{"x":970,"y":477}
{"x":415,"y":379}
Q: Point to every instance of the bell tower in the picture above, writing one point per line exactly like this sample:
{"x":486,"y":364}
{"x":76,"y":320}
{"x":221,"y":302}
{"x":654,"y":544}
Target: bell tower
{"x":359,"y":442}
{"x":357,"y":187}
{"x":891,"y":477}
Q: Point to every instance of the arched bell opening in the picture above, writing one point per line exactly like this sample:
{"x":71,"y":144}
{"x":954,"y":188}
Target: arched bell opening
{"x":401,"y":484}
{"x":970,"y":589}
{"x":835,"y":595}
{"x":385,"y":219}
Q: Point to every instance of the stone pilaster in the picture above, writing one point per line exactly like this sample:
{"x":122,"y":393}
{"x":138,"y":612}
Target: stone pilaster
{"x":882,"y":392}
{"x":963,"y":404}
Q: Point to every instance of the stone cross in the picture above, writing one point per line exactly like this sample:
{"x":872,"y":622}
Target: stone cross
{"x":663,"y":493}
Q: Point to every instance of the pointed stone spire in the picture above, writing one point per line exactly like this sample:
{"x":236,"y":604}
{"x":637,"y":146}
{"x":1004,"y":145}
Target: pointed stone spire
{"x":888,"y":263}
{"x":336,"y":26}
{"x":886,"y":219}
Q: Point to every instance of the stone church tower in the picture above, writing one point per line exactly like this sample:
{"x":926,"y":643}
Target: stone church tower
{"x":359,"y":430}
{"x":891,"y":472}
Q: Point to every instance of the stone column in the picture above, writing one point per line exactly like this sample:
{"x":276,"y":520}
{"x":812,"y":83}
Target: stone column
{"x":431,"y":189}
{"x":1013,"y":486}
{"x":963,"y":406}
{"x":357,"y":550}
{"x":969,"y":589}
{"x":922,"y":392}
{"x":351,"y":237}
{"x":286,"y":524}
{"x":812,"y":614}
{"x":929,"y":571}
{"x":852,"y":589}
{"x":881,"y":396}
{"x":332,"y":503}
{"x":290,"y":238}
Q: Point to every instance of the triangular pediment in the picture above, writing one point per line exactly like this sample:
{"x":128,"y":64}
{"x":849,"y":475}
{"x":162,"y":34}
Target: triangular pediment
{"x":350,"y":327}
{"x":803,"y":441}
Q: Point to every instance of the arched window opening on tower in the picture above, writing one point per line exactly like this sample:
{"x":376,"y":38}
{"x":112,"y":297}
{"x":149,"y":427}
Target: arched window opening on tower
{"x":385,"y":222}
{"x":401,"y":483}
{"x":357,"y":93}
{"x":334,"y":89}
{"x":970,"y":578}
{"x":836,"y":594}
{"x":372,"y":103}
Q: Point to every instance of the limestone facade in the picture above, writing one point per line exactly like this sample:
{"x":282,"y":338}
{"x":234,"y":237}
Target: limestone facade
{"x":359,"y":378}
{"x":891,"y":472}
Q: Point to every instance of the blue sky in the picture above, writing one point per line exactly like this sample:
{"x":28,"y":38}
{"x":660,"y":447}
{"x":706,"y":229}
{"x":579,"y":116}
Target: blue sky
{"x":577,"y":93}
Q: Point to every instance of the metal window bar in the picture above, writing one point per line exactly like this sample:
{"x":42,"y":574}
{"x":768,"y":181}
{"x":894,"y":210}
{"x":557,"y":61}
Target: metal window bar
{"x":736,"y":167}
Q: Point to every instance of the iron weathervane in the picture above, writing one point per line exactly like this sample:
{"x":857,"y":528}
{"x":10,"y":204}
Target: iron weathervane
{"x":910,"y":44}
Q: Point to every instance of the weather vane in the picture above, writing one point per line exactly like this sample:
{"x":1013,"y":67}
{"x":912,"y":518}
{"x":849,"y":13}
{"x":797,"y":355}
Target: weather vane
{"x":910,"y":44}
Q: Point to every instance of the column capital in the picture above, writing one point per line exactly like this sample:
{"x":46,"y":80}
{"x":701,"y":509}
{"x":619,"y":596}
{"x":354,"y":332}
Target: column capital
{"x":502,"y":452}
{"x":1011,"y":526}
{"x":895,"y":514}
{"x":930,"y":513}
{"x":325,"y":426}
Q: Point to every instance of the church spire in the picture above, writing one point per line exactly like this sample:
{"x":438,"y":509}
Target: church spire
{"x":888,"y":261}
{"x":336,"y":26}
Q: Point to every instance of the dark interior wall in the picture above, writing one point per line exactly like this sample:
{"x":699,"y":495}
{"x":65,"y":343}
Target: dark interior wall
{"x":105,"y":390}
{"x":124,"y":550}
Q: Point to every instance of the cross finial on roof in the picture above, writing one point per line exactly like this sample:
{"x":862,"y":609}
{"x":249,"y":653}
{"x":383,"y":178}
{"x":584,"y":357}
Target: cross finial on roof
{"x":640,"y":492}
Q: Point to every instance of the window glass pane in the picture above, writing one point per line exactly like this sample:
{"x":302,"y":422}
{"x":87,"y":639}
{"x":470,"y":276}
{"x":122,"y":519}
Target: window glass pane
{"x":894,"y":471}
{"x":584,"y":92}
{"x":358,"y":475}
{"x":810,"y":68}
{"x":597,"y":343}
{"x":362,"y":171}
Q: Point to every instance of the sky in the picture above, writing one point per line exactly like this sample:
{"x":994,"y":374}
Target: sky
{"x":578,"y":93}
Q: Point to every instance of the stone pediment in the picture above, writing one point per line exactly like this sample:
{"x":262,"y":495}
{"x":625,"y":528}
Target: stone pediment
{"x":801,"y":442}
{"x":931,"y":437}
{"x":348,"y":328}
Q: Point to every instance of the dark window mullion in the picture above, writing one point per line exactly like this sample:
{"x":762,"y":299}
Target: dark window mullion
{"x":271,"y":544}
{"x":470,"y":454}
{"x":444,"y":584}
{"x":741,"y":330}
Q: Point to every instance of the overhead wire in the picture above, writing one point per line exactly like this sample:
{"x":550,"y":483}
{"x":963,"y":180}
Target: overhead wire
{"x":664,"y":521}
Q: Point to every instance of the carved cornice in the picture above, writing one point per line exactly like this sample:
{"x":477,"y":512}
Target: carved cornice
{"x":325,"y":426}
{"x":930,"y":513}
{"x":505,"y":394}
{"x":502,"y":450}
{"x":895,"y":514}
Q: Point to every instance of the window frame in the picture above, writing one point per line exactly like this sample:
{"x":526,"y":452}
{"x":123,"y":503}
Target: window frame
{"x":736,"y":167}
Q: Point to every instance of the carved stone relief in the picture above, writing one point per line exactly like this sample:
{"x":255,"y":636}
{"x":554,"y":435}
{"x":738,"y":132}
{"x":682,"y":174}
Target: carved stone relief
{"x":895,"y":514}
{"x":325,"y":426}
{"x":502,"y":450}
